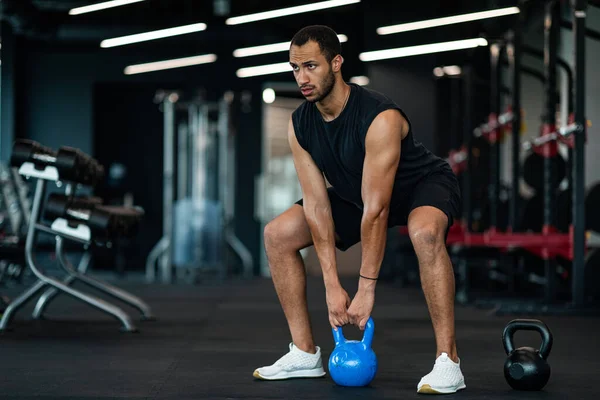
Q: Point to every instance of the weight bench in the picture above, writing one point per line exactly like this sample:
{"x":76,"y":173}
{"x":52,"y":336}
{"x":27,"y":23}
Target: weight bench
{"x":84,"y":220}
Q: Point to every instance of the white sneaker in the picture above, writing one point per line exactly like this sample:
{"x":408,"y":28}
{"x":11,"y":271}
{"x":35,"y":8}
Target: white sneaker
{"x":446,"y":377}
{"x":295,"y":364}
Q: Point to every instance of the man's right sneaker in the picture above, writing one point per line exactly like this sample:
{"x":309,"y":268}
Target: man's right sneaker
{"x":295,"y":364}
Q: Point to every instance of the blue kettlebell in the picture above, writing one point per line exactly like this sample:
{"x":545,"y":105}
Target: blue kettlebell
{"x":353,"y":362}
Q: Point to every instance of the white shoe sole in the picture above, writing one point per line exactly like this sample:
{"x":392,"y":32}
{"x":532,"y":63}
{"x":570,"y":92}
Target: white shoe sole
{"x":428,"y":389}
{"x":305,"y":373}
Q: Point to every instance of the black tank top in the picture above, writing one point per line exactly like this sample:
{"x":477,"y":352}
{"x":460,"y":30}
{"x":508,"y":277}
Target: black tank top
{"x":338,"y":146}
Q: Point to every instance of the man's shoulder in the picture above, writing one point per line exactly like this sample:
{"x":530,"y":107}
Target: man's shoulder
{"x":374,"y":97}
{"x":373,"y":102}
{"x":302,"y":109}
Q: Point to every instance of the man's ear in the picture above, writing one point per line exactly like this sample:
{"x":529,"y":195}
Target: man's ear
{"x":337,"y":63}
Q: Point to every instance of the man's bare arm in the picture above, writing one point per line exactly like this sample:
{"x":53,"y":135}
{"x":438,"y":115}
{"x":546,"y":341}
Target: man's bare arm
{"x":317,"y":208}
{"x":382,"y":148}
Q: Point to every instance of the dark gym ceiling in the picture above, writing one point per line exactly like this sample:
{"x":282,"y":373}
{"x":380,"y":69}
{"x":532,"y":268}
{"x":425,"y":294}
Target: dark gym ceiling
{"x":47,"y":23}
{"x":48,"y":20}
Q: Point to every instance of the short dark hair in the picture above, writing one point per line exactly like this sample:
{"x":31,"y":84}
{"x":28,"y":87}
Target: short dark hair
{"x":325,"y":36}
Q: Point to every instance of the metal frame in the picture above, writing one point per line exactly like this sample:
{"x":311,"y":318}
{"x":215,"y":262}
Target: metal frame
{"x":227,"y":163}
{"x":162,"y":252}
{"x":551,"y":32}
{"x":467,"y":117}
{"x":515,"y":49}
{"x":79,"y":274}
{"x":496,"y":52}
{"x":43,"y":280}
{"x":579,"y":239}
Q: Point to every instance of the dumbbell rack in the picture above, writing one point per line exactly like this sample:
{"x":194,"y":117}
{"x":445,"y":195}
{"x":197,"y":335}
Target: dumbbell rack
{"x":51,"y":174}
{"x":45,"y":166}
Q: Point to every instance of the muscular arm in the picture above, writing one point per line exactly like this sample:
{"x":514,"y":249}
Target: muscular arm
{"x":382,"y":148}
{"x":317,"y":208}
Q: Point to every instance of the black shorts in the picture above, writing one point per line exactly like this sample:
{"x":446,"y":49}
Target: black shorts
{"x":439,"y":189}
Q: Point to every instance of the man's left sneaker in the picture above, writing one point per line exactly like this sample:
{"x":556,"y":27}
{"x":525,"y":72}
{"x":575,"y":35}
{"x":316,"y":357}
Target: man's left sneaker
{"x":446,"y":377}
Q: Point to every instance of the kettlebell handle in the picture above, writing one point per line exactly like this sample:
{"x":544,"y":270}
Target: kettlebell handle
{"x":367,"y":339}
{"x":369,"y":330}
{"x":338,"y":336}
{"x":527,"y":325}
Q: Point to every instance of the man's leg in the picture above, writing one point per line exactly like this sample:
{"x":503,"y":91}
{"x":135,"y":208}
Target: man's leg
{"x":284,"y":237}
{"x":427,"y":229}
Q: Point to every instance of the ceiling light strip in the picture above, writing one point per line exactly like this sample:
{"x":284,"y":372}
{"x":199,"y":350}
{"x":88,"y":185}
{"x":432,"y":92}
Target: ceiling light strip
{"x":263,"y":70}
{"x":153,"y":35}
{"x":243,"y":19}
{"x":170,"y":64}
{"x":412,"y":26}
{"x":421,"y":49}
{"x":270,"y":48}
{"x":101,"y":6}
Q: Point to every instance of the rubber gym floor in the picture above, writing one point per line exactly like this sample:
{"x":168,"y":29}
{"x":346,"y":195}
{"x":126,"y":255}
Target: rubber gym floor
{"x":208,"y":339}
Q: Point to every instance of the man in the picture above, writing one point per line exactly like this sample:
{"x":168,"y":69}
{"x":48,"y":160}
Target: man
{"x":380,"y":176}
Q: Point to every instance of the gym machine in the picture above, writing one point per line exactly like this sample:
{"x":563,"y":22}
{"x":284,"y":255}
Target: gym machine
{"x":549,"y":243}
{"x":198,"y":192}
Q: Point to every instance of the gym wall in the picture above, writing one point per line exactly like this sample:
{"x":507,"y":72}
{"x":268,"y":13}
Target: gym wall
{"x":9,"y":72}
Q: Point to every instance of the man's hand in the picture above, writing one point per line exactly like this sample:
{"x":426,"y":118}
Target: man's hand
{"x":361,"y":307}
{"x":337,"y":304}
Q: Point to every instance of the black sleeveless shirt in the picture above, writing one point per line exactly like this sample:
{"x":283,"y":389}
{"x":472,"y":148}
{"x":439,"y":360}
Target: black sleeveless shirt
{"x":338,"y":146}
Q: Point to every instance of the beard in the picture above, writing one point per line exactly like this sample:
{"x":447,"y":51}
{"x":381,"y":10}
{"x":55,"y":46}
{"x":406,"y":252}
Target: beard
{"x":327,"y":85}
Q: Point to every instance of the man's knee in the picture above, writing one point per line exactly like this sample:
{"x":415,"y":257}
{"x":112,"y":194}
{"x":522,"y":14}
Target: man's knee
{"x":427,"y":230}
{"x":273,"y":234}
{"x":287,"y":233}
{"x":426,"y":236}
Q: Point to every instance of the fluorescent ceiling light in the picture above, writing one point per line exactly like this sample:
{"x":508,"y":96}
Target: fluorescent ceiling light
{"x":153,"y":35}
{"x":430,"y":23}
{"x":421,"y":49}
{"x":271,"y":48}
{"x":263,"y":70}
{"x":101,"y":6}
{"x":268,"y":95}
{"x":450,"y":70}
{"x":360,"y":80}
{"x":288,"y":11}
{"x":169,"y":64}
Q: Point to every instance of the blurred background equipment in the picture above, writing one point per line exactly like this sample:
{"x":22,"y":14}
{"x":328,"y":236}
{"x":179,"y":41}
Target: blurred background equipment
{"x":82,"y":220}
{"x":198,"y":193}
